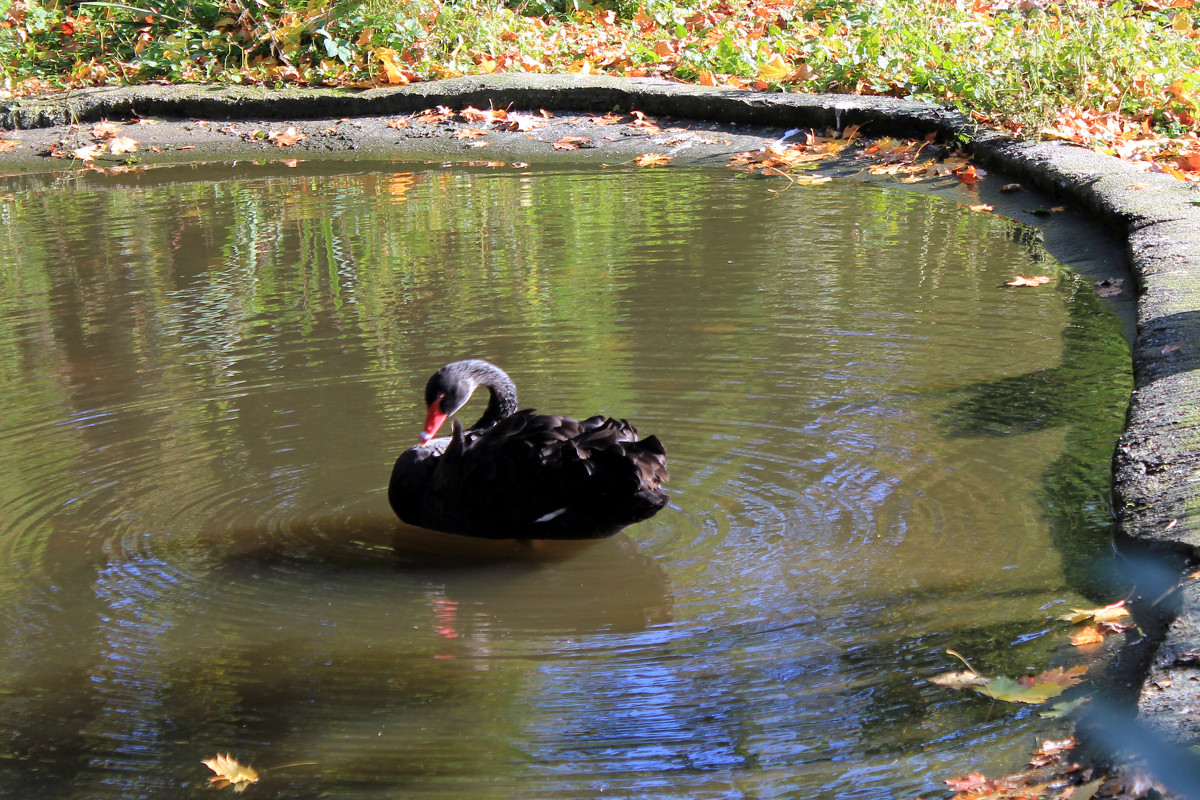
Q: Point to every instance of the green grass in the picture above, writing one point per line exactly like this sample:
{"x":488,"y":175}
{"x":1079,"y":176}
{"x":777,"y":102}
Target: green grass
{"x":1022,"y":68}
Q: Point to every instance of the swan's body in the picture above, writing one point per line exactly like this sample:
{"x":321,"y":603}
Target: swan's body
{"x":517,"y":474}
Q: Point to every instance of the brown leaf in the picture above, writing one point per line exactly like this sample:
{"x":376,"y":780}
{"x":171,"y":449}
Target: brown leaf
{"x":402,"y":122}
{"x":8,"y":144}
{"x":571,"y":142}
{"x":982,"y":207}
{"x":1011,"y":187}
{"x":610,"y":118}
{"x":432,"y":116}
{"x":1168,"y":349}
{"x":472,"y":114}
{"x":471,"y":133}
{"x":104,"y":130}
{"x":1108,"y":613}
{"x":229,"y":771}
{"x":285,"y":138}
{"x":976,"y":782}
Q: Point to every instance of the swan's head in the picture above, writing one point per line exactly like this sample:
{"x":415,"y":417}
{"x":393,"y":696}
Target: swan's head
{"x":447,"y":391}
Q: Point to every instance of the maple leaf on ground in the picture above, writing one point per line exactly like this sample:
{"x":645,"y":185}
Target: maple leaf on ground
{"x":432,"y":116}
{"x":286,"y":138}
{"x":611,"y":118}
{"x":8,"y":144}
{"x":571,"y":142}
{"x":1037,"y":280}
{"x":643,"y":123}
{"x":87,"y":153}
{"x":472,"y":114}
{"x":229,"y":771}
{"x":1109,"y":613}
{"x":471,"y":133}
{"x":119,"y":145}
{"x":652,"y":160}
{"x":402,"y":122}
{"x":104,"y":130}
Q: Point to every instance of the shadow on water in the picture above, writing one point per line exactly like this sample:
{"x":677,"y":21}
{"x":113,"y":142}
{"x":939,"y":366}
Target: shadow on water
{"x":1086,"y":394}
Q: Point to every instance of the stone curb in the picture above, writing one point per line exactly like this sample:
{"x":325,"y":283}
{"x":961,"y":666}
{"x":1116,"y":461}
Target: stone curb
{"x":1157,"y":460}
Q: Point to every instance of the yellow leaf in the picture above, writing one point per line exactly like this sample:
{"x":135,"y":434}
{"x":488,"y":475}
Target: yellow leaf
{"x":581,"y":67}
{"x":652,"y":160}
{"x":88,"y":153}
{"x":389,"y":59}
{"x":1182,"y":22}
{"x":229,"y":771}
{"x":1109,"y":613}
{"x":775,"y":69}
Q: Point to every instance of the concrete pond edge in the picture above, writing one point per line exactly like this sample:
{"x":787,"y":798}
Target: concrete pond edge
{"x":1156,"y":464}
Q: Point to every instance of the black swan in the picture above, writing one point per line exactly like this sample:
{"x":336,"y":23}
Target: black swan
{"x":520,"y":475}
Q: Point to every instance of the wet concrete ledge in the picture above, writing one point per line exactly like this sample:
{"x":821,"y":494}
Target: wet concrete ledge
{"x":1157,"y":460}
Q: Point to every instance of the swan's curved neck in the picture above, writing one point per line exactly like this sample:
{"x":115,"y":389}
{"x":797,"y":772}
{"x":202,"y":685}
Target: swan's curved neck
{"x":502,"y":400}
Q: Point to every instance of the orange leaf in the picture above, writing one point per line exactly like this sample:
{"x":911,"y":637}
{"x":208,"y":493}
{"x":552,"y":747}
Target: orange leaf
{"x":969,"y":174}
{"x":1089,"y":635}
{"x":471,"y":133}
{"x":1037,"y":280}
{"x":652,"y":160}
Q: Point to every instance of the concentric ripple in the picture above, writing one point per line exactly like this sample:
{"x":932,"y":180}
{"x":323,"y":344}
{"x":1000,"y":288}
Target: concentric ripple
{"x":876,"y":452}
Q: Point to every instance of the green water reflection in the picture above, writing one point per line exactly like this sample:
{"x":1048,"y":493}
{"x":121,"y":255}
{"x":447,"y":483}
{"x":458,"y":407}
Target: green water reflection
{"x":877,"y":452}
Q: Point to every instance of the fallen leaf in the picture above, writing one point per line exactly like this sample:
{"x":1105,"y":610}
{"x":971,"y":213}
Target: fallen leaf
{"x":432,"y":116}
{"x":290,"y":163}
{"x":8,"y":144}
{"x":285,"y":138}
{"x":1109,"y":613}
{"x":229,"y":771}
{"x":1037,"y":280}
{"x":652,"y":160}
{"x":1011,"y":187}
{"x":104,"y":130}
{"x":969,"y":174}
{"x":774,"y":69}
{"x":976,"y":783}
{"x":402,"y":122}
{"x":119,"y":145}
{"x":982,"y":207}
{"x":87,"y":153}
{"x":472,"y":114}
{"x":958,"y":680}
{"x":571,"y":142}
{"x":610,"y":118}
{"x":1089,"y":635}
{"x":471,"y":133}
{"x":1167,"y":349}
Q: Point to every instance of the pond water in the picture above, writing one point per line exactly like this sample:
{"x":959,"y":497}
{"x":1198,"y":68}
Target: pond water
{"x":877,"y":453}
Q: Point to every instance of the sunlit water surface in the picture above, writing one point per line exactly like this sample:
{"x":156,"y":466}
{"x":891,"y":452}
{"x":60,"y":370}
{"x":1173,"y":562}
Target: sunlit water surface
{"x":877,"y":453}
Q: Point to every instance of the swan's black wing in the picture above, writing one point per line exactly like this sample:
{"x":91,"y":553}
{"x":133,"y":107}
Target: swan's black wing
{"x":535,"y":476}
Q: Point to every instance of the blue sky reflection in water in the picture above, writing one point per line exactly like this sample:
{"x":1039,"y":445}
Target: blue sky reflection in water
{"x":877,"y":453}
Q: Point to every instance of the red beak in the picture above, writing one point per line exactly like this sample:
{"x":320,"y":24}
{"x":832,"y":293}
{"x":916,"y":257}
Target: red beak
{"x":433,"y":421}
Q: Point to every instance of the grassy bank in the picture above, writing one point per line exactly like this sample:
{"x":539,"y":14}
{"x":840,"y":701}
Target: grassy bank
{"x":1120,"y":76}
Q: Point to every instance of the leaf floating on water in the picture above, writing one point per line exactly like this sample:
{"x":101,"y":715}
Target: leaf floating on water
{"x":1037,"y":280}
{"x":982,"y":207}
{"x":652,"y":160}
{"x":230,"y":772}
{"x":959,"y":680}
{"x":1109,"y":613}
